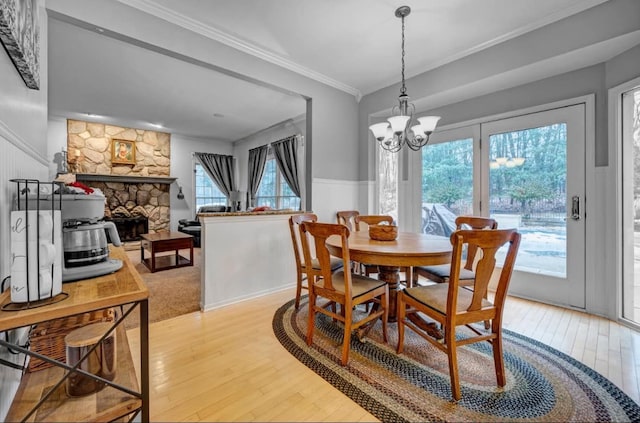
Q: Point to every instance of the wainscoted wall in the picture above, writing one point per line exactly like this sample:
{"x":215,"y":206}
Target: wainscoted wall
{"x":343,"y":195}
{"x":14,"y":163}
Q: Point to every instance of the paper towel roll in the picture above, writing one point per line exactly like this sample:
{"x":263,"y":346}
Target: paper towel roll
{"x":36,"y":255}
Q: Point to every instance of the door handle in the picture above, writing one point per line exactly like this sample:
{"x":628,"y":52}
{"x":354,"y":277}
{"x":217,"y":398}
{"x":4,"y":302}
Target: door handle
{"x":575,"y":207}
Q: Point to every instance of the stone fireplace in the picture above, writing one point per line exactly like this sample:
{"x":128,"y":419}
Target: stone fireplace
{"x":137,"y":193}
{"x":130,"y":228}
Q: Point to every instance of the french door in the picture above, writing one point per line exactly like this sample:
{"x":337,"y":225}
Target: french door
{"x":527,"y":172}
{"x":533,"y":179}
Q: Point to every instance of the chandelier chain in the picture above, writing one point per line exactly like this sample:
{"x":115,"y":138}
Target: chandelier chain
{"x":403,"y":89}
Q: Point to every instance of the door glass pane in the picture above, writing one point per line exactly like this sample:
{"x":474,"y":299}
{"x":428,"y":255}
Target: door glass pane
{"x":527,"y":190}
{"x":631,"y":204}
{"x":447,"y":185}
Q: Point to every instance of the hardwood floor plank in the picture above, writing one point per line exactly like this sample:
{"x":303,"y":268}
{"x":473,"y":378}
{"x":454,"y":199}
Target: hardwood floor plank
{"x":226,"y":364}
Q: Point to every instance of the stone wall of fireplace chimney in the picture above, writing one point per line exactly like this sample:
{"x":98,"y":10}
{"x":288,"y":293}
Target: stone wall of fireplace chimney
{"x":90,"y":151}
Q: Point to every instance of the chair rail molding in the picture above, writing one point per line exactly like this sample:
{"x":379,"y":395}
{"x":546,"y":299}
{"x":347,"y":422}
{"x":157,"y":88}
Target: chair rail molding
{"x":21,"y":144}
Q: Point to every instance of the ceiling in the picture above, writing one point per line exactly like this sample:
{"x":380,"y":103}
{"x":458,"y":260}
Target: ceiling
{"x":353,"y":45}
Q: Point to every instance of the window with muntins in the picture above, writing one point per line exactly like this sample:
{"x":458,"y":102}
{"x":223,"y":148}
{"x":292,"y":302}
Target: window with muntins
{"x":207,"y":192}
{"x":274,"y":190}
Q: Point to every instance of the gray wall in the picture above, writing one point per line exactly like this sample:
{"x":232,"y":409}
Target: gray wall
{"x":561,"y":56}
{"x":23,"y":147}
{"x":335,"y":129}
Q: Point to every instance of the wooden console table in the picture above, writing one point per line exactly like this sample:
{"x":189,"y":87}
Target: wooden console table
{"x":35,"y":399}
{"x":166,"y":241}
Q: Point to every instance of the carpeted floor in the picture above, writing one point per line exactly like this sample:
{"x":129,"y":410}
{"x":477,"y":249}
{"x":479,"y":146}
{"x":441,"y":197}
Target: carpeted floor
{"x":543,"y":384}
{"x":172,"y":292}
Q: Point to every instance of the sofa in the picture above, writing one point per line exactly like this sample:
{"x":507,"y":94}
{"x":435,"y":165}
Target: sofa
{"x":192,"y":227}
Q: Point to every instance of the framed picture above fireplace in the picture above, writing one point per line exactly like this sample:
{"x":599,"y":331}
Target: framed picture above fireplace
{"x":123,"y":152}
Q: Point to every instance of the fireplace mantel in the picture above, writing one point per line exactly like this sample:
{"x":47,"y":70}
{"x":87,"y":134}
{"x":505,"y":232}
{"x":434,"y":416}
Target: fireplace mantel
{"x":88,"y":177}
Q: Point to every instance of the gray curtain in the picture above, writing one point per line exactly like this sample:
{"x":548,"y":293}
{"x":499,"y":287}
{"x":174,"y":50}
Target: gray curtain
{"x":286,"y":154}
{"x":220,"y":169}
{"x":257,"y":160}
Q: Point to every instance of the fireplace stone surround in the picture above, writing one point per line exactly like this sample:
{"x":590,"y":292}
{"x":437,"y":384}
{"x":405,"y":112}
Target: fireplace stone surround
{"x":130,"y":199}
{"x":132,"y":190}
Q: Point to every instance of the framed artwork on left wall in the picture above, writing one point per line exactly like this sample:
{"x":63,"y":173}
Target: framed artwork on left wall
{"x":123,"y":152}
{"x":20,"y":36}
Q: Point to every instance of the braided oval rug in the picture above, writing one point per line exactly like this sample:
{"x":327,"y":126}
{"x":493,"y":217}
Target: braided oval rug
{"x":543,"y":384}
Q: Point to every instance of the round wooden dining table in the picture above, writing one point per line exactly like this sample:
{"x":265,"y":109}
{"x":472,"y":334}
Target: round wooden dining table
{"x":407,"y":250}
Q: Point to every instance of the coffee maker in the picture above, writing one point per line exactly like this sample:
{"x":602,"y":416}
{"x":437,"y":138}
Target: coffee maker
{"x":85,"y":248}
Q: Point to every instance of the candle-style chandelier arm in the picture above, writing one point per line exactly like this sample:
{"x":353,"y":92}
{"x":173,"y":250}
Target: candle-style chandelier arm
{"x":399,"y":129}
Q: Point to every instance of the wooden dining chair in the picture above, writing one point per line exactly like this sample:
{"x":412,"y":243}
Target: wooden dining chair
{"x":453,"y":305}
{"x":373,"y":219}
{"x":343,"y":287}
{"x":368,"y":220}
{"x":303,"y":273}
{"x":440,"y":273}
{"x":348,"y":218}
{"x":376,"y":219}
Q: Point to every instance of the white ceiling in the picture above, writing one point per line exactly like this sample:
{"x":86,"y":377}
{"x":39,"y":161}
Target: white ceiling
{"x":353,"y":45}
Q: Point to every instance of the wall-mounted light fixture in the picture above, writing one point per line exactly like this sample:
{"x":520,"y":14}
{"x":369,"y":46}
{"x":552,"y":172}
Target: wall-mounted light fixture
{"x":180,"y":194}
{"x":74,"y":161}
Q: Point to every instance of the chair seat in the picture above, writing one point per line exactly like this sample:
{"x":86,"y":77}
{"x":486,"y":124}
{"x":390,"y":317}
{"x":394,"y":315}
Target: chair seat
{"x":191,"y":230}
{"x":442,"y":271}
{"x":435,"y":297}
{"x":360,"y":285}
{"x":336,"y":264}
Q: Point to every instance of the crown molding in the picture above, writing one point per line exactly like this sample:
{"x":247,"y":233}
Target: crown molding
{"x":216,"y":34}
{"x":531,"y":26}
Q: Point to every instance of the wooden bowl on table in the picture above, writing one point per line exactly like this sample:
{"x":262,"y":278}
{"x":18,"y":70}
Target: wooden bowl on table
{"x":383,"y":232}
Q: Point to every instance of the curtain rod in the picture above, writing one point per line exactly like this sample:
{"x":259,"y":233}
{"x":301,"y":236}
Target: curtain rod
{"x":298,"y":137}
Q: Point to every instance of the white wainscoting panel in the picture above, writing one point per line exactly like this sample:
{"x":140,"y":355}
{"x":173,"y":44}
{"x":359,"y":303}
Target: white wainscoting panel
{"x":332,"y":195}
{"x":244,"y":257}
{"x":14,"y":163}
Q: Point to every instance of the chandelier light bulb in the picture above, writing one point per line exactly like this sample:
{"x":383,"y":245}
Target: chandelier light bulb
{"x":380,"y":130}
{"x":428,"y":123}
{"x":398,"y":123}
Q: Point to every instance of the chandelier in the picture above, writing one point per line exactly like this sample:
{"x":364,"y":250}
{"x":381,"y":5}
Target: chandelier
{"x":398,"y":130}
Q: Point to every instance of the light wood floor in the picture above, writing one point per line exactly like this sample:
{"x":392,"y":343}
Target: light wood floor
{"x":227,"y":365}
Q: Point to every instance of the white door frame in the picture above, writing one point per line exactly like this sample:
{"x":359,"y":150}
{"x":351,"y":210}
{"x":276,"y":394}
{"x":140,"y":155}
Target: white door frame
{"x":590,"y":169}
{"x":615,"y":163}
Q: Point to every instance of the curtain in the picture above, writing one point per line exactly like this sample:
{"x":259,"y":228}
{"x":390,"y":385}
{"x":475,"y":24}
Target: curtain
{"x":286,"y":154}
{"x":220,"y":169}
{"x":257,"y":160}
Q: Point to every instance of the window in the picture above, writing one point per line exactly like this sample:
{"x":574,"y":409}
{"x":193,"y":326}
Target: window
{"x":207,"y":192}
{"x":274,"y":190}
